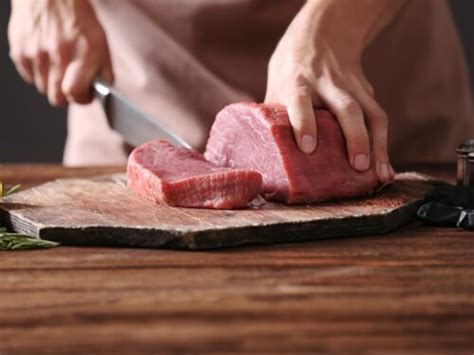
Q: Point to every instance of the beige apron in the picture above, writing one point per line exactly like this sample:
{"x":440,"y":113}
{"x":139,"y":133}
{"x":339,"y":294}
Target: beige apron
{"x":183,"y":60}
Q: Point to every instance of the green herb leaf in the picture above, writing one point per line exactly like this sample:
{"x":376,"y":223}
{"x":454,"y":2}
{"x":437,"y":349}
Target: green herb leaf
{"x":17,"y":241}
{"x":8,"y":190}
{"x":12,"y":190}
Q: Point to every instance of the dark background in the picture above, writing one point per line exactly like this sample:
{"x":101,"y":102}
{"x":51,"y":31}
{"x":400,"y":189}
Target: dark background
{"x":32,"y":131}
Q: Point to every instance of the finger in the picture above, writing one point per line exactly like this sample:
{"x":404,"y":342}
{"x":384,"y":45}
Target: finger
{"x":40,"y":71}
{"x":55,"y":78}
{"x":77,"y":81}
{"x":364,"y":83}
{"x":17,"y":52}
{"x":23,"y":66}
{"x":271,"y":97}
{"x":59,"y":57}
{"x":25,"y":69}
{"x":377,"y":121}
{"x":351,"y":118}
{"x":392,"y":172}
{"x":302,"y":119}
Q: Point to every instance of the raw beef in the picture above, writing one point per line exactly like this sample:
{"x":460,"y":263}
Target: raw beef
{"x":161,"y":172}
{"x":257,"y":136}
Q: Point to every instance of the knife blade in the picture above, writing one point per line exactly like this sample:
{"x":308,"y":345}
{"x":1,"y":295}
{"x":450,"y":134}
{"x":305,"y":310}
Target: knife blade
{"x":135,"y":126}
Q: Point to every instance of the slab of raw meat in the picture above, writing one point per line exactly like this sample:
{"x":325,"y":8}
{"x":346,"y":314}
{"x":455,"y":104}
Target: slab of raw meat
{"x":161,"y":172}
{"x":258,"y":136}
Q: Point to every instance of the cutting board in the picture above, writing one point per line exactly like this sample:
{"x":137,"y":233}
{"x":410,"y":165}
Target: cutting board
{"x":102,"y":211}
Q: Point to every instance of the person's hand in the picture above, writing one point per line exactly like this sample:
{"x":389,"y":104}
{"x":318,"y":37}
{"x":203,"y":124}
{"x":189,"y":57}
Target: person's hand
{"x":317,"y":64}
{"x":60,"y":47}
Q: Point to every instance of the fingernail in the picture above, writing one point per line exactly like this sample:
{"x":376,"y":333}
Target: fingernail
{"x":361,"y":162}
{"x":384,"y":172}
{"x":307,"y":144}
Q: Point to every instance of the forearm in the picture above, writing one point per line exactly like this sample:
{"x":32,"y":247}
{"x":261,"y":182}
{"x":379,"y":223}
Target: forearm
{"x":353,"y":23}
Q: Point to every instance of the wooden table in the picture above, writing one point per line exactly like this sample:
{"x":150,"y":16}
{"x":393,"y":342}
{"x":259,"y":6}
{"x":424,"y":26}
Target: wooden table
{"x":408,"y":292}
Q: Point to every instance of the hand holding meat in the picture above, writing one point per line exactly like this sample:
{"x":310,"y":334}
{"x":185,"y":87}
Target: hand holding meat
{"x":60,"y":47}
{"x":317,"y":63}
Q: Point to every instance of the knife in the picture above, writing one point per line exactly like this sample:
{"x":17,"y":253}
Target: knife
{"x":135,"y":126}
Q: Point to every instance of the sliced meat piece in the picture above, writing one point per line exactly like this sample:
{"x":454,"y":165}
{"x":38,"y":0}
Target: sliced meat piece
{"x":161,"y":172}
{"x":258,"y":136}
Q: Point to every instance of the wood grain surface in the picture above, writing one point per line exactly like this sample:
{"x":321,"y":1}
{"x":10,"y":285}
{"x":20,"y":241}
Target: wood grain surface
{"x":410,"y":292}
{"x":102,"y":211}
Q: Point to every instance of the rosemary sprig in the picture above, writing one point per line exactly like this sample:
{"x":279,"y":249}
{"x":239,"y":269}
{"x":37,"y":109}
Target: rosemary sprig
{"x":8,"y":190}
{"x":18,"y":241}
{"x":12,"y":189}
